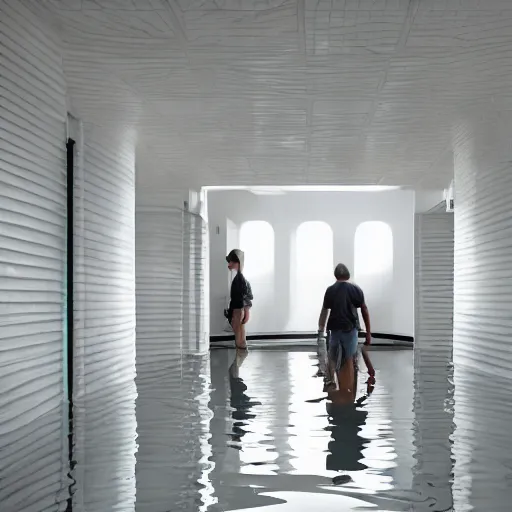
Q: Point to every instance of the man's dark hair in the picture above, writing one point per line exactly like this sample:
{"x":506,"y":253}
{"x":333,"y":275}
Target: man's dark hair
{"x":341,"y":272}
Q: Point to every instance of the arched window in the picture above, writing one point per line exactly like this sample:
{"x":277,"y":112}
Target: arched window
{"x":312,"y":273}
{"x":257,"y":242}
{"x":373,"y":271}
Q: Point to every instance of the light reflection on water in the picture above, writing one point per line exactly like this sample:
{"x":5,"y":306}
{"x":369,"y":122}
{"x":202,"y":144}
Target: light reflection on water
{"x":235,"y":433}
{"x":173,"y":425}
{"x":285,"y":449}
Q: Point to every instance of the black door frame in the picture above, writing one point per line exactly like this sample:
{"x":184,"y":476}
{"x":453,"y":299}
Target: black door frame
{"x":70,"y":174}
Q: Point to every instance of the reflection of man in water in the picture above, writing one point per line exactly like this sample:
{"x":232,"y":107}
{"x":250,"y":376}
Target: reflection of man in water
{"x":346,"y":418}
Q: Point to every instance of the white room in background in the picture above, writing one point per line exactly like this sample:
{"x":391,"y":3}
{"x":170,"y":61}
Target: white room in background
{"x":371,"y":232}
{"x":373,"y":270}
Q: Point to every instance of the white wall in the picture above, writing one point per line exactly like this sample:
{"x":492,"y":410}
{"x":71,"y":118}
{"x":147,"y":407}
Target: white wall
{"x":434,"y":284}
{"x":33,"y":396}
{"x":171,"y":278}
{"x":195,"y":284}
{"x":482,"y":348}
{"x":34,"y":426}
{"x":344,"y":212}
{"x":33,"y":408}
{"x":171,"y":270}
{"x":425,"y":200}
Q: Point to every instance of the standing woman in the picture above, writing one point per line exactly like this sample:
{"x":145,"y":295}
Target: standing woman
{"x":241,"y":297}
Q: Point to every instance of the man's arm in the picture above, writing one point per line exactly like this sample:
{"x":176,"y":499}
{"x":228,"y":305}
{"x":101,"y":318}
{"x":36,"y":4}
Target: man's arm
{"x":324,"y":313}
{"x":322,"y":320}
{"x":366,"y":319}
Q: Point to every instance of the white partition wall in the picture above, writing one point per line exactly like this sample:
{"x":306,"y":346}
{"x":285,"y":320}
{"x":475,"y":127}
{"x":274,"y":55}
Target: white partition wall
{"x":33,"y":412}
{"x":171,"y":256}
{"x":159,"y":270}
{"x":195,"y":286}
{"x":104,"y":358}
{"x":482,"y":317}
{"x":434,"y":283}
{"x":171,"y":266}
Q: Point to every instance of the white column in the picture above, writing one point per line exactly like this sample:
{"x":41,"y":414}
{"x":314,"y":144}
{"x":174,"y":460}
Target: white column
{"x":434,"y":284}
{"x":482,"y":316}
{"x":195,"y":289}
{"x":104,"y":363}
{"x":172,"y":416}
{"x":33,"y":407}
{"x":280,"y":314}
{"x":159,"y":271}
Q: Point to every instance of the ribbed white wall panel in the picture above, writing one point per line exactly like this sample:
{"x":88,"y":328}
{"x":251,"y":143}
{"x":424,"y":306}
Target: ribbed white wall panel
{"x":483,"y":267}
{"x":195,"y":261}
{"x":33,"y":412}
{"x":170,"y":310}
{"x":434,"y":282}
{"x":159,"y":271}
{"x":483,"y":319}
{"x":104,"y":390}
{"x":433,"y":346}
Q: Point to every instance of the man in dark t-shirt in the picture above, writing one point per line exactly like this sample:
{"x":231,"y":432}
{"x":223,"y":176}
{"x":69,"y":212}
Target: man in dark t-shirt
{"x":341,"y":302}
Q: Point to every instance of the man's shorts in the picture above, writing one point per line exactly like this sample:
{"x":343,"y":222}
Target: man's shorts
{"x":342,"y":345}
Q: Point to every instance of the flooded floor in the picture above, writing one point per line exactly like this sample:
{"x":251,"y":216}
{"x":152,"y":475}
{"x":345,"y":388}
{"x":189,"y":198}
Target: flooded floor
{"x":233,"y":433}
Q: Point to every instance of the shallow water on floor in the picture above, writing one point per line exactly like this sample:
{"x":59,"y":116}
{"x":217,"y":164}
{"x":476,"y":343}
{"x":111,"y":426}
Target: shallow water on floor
{"x":279,"y":445}
{"x":234,"y":433}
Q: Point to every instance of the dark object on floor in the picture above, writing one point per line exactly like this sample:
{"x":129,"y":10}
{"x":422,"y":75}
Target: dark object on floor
{"x":341,"y":479}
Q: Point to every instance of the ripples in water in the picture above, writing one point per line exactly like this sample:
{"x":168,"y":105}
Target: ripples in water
{"x":173,"y":435}
{"x":233,"y":433}
{"x":289,"y":448}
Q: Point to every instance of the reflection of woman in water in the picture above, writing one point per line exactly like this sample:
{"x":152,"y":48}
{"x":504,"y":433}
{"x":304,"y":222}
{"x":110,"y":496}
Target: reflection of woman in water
{"x":239,"y":401}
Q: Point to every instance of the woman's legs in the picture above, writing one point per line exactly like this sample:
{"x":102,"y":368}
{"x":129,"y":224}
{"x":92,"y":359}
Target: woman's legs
{"x":239,"y":328}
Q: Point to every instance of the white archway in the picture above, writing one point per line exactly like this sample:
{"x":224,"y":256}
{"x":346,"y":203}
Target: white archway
{"x":257,"y":242}
{"x":312,"y":273}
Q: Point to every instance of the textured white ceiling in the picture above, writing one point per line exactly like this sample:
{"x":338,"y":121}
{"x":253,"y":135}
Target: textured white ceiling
{"x":291,"y":91}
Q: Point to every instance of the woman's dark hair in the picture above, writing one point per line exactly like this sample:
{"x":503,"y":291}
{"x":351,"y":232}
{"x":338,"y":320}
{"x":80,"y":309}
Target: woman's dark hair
{"x":232,"y":257}
{"x":341,"y":272}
